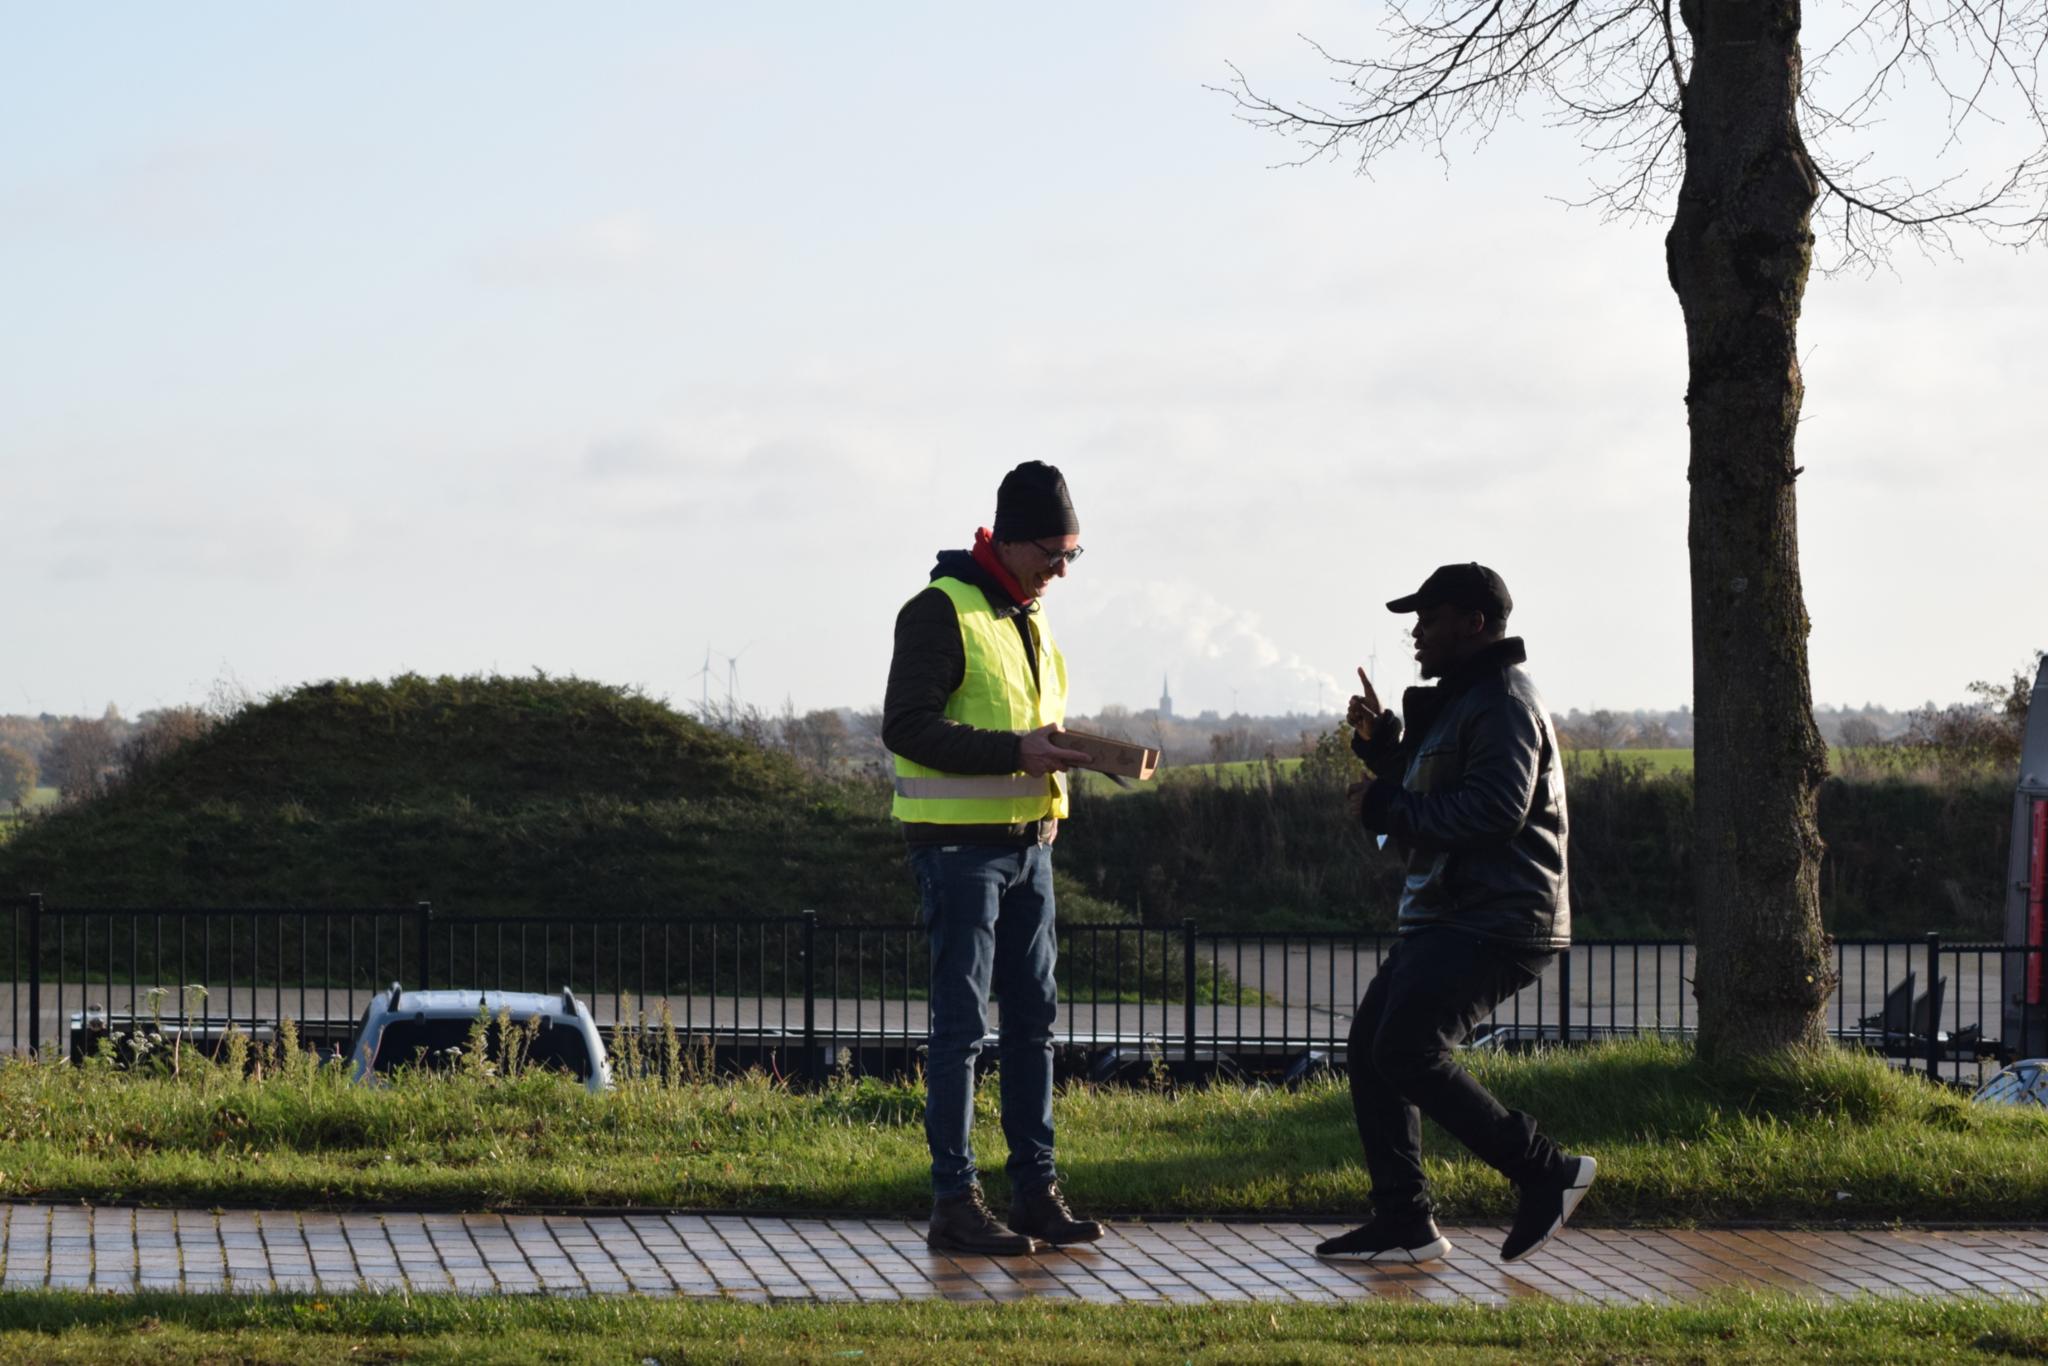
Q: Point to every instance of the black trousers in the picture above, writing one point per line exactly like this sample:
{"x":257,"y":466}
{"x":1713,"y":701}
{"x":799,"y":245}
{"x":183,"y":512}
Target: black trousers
{"x":1432,"y":989}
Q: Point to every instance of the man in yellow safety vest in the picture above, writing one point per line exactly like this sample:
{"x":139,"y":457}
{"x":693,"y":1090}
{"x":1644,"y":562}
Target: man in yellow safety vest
{"x":977,"y":692}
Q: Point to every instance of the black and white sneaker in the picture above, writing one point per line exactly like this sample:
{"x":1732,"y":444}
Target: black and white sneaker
{"x":1544,"y":1208}
{"x":1412,"y":1238}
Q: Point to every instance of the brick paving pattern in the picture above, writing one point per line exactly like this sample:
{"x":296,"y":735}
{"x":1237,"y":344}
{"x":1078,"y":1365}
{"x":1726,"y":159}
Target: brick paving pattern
{"x":750,"y":1257}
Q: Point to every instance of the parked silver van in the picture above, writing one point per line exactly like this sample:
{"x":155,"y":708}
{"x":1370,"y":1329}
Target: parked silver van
{"x":430,"y":1028}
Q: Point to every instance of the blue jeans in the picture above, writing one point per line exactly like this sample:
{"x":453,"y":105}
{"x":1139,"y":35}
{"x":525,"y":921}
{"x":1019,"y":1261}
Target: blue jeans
{"x":989,"y":912}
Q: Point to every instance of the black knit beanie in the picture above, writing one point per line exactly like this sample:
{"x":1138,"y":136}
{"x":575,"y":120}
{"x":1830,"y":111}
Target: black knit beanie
{"x":1032,"y":503}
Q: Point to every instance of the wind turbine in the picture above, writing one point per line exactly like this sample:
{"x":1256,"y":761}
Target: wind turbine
{"x":732,"y":684}
{"x":703,"y":676}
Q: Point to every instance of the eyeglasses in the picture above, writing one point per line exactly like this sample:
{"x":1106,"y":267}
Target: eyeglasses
{"x":1056,"y":556}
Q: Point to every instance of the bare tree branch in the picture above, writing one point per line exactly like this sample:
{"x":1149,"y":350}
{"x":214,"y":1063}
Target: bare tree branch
{"x":1671,"y":48}
{"x":1616,"y":71}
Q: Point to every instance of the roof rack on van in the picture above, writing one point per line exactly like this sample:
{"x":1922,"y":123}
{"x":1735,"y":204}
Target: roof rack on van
{"x":568,"y":1001}
{"x":396,"y":992}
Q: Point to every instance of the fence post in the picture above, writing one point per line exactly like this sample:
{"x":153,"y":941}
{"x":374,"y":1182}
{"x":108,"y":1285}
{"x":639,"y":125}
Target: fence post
{"x":1933,"y":1006}
{"x":423,"y":914}
{"x":35,"y":974}
{"x":809,"y":955}
{"x":1564,"y":995}
{"x":1187,"y":1021}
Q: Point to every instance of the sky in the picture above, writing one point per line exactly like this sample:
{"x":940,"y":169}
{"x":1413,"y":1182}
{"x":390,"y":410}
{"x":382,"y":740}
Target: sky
{"x":346,"y":341}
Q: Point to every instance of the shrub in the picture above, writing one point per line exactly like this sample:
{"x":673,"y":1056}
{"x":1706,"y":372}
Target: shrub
{"x":1276,"y":850}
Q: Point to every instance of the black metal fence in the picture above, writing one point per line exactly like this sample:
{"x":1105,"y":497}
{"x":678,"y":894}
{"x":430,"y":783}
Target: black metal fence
{"x":805,"y":997}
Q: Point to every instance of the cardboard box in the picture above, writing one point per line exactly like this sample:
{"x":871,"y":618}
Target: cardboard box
{"x":1119,"y":757}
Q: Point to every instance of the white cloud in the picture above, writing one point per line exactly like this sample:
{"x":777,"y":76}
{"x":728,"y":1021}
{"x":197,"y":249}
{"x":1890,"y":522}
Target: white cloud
{"x":620,"y":238}
{"x":1216,"y":653}
{"x":755,"y":330}
{"x":200,"y":540}
{"x":610,"y":248}
{"x":178,"y":187}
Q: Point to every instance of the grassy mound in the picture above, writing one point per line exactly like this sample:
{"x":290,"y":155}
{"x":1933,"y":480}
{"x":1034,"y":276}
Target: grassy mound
{"x":496,"y":741}
{"x":506,"y":795}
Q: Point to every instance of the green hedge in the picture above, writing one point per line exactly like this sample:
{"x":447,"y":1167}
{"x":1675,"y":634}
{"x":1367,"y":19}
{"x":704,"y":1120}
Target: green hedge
{"x":1276,"y":848}
{"x":559,"y":797}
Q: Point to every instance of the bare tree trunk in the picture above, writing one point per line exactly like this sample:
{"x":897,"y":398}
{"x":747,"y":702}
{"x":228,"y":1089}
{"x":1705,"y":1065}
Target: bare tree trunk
{"x":1738,"y":255}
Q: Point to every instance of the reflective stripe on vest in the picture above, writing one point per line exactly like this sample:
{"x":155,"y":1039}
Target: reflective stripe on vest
{"x":996,"y":692}
{"x":1016,"y":785}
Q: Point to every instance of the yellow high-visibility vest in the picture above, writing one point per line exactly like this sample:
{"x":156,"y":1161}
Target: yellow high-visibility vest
{"x":996,"y":692}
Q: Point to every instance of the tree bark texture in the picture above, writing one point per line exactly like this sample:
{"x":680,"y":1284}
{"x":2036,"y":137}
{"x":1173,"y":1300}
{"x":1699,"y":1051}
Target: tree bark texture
{"x":1738,"y":254}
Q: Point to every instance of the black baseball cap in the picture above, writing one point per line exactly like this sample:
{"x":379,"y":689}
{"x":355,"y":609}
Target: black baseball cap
{"x":1471,"y":586}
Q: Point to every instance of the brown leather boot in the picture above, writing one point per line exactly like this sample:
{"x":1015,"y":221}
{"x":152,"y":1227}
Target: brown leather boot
{"x":1043,"y":1214}
{"x":962,"y":1223}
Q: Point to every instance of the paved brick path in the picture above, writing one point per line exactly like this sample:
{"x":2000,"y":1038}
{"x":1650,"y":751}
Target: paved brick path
{"x":760,"y":1258}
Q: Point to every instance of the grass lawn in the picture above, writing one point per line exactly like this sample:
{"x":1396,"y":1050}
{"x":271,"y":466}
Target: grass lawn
{"x":1654,"y":761}
{"x":1254,"y":770}
{"x":156,"y":1329}
{"x":1238,"y":771}
{"x":41,"y":797}
{"x":1840,"y":1136}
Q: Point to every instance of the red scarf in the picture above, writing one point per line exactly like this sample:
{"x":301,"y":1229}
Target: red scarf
{"x":985,"y":556}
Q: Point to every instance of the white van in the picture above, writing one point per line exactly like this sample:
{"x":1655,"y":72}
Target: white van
{"x":429,"y":1029}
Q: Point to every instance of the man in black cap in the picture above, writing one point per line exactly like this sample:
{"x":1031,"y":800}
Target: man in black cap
{"x":977,"y":692}
{"x":1470,"y":793}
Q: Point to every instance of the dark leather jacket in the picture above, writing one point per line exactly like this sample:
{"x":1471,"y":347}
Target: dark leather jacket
{"x":1478,"y":810}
